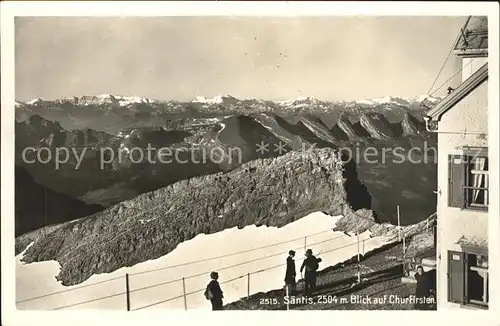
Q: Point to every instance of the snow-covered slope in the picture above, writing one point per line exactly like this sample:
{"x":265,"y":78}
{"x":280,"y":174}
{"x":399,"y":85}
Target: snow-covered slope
{"x":38,"y":279}
{"x":219,"y":99}
{"x":403,"y":101}
{"x":386,"y":100}
{"x":33,"y":101}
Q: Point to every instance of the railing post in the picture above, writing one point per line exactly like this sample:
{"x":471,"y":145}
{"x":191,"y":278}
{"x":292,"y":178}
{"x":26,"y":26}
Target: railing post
{"x":359,"y":271}
{"x":248,"y":287}
{"x":357,"y":242}
{"x":399,"y":225}
{"x":184,"y":293}
{"x":434,"y":235}
{"x":404,"y":248}
{"x":127,"y":285}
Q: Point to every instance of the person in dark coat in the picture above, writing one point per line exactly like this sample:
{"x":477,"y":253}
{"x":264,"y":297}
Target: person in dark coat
{"x":423,"y":289}
{"x":290,"y":273}
{"x":311,"y":266}
{"x":217,"y":294}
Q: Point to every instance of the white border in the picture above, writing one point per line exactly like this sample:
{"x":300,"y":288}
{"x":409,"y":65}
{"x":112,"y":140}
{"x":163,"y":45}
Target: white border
{"x":10,"y":9}
{"x":246,"y":8}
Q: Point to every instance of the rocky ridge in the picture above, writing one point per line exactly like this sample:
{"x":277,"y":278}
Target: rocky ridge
{"x":363,"y":220}
{"x":273,"y":192}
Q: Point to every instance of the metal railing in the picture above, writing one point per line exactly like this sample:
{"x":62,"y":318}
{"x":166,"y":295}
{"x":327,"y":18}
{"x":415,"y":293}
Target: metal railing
{"x":247,"y":275}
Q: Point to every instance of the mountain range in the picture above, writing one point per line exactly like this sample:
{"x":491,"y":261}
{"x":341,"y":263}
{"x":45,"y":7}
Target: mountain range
{"x":255,"y":186}
{"x":111,"y":113}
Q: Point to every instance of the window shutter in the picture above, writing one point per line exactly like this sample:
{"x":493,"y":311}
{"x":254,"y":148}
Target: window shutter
{"x":456,"y":180}
{"x":456,"y":276}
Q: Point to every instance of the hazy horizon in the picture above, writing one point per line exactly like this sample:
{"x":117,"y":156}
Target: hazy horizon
{"x":271,"y":58}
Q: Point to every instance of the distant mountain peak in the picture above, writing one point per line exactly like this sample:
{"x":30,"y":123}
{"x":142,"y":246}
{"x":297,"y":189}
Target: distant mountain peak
{"x":302,"y":99}
{"x":34,"y":101}
{"x":398,"y":100}
{"x":219,"y":99}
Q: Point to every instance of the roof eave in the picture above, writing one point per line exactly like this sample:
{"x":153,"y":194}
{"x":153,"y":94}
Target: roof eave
{"x":471,"y":53}
{"x":458,"y":94}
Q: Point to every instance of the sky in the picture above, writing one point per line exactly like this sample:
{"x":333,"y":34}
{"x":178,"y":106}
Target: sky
{"x":273,"y":58}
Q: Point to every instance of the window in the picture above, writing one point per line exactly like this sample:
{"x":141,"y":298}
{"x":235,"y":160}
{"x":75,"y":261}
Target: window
{"x":476,"y":181}
{"x":477,"y":279}
{"x":468,"y":278}
{"x":468,"y":180}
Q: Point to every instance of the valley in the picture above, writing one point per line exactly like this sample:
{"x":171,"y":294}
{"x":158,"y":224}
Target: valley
{"x":218,"y":127}
{"x":273,"y":166}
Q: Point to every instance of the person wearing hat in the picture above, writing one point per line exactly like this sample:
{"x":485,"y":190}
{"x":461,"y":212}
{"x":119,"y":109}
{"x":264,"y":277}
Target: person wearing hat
{"x":214,"y":292}
{"x":311,"y":264}
{"x":290,"y":273}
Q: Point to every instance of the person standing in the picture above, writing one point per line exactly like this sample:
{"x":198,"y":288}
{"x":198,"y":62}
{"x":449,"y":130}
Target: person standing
{"x":422,"y":291}
{"x":214,"y":292}
{"x":311,"y":264}
{"x":290,"y":273}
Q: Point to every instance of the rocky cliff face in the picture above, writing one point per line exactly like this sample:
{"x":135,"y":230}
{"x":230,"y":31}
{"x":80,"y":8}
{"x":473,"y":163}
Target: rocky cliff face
{"x":377,"y":126}
{"x":276,"y":125}
{"x":345,"y":126}
{"x":411,"y":126}
{"x":274,"y":192}
{"x":319,"y":130}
